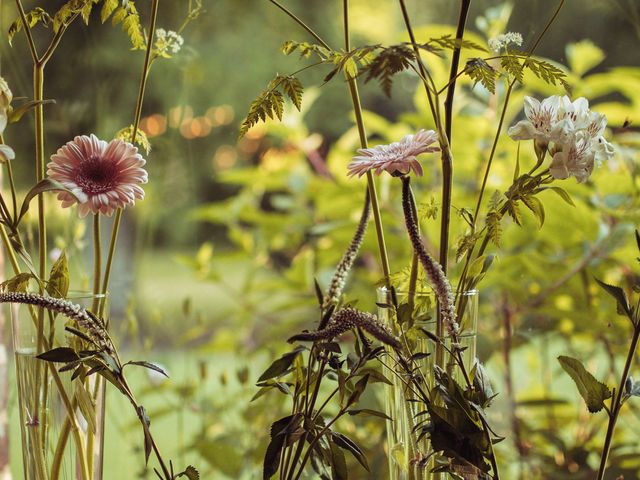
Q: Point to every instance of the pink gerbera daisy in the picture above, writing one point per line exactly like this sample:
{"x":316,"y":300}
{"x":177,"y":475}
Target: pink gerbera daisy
{"x":395,"y":157}
{"x":102,"y":176}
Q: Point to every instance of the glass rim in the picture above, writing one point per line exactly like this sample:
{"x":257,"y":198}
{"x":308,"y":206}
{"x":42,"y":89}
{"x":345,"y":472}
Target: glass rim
{"x":82,"y":294}
{"x":466,"y":293}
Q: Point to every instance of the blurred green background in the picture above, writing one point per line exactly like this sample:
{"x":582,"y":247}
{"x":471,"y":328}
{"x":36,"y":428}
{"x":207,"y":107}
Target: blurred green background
{"x":216,"y":266}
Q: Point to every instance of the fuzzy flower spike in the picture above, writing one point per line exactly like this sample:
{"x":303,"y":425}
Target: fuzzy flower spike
{"x":396,"y":157}
{"x":102,"y":176}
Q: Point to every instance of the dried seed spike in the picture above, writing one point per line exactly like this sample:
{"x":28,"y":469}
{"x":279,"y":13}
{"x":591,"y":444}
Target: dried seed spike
{"x":86,"y":320}
{"x":344,"y":267}
{"x":346,"y":319}
{"x":432,"y":268}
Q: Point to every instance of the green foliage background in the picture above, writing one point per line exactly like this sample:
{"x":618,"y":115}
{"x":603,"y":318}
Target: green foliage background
{"x":222,"y":254}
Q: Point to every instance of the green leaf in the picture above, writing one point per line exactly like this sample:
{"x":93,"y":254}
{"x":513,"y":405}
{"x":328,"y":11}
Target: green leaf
{"x":148,"y":439}
{"x":592,"y":391}
{"x":130,"y":19}
{"x":293,"y":88}
{"x":16,"y":113}
{"x":141,"y":139}
{"x":369,"y":412}
{"x":281,"y":365}
{"x":346,"y":443}
{"x":535,"y":205}
{"x":35,"y":16}
{"x":18,"y":283}
{"x":86,"y":405}
{"x":547,"y":72}
{"x":58,"y":285}
{"x":108,"y":7}
{"x":621,"y":297}
{"x":279,"y":431}
{"x":583,"y":56}
{"x":387,"y":63}
{"x":191,"y":473}
{"x":60,"y":354}
{"x":358,"y":389}
{"x":270,"y":103}
{"x":149,"y":365}
{"x":46,"y":185}
{"x":562,"y":193}
{"x":480,"y":71}
{"x":338,"y":463}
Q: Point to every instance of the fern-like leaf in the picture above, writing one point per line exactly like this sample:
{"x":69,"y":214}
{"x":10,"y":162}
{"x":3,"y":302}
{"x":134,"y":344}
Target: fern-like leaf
{"x":70,"y":10}
{"x":480,"y":71}
{"x":493,"y":220}
{"x":108,"y":7}
{"x":128,"y":16}
{"x":465,"y":244}
{"x":270,"y":103}
{"x":512,"y":66}
{"x":141,"y":139}
{"x":547,"y":72}
{"x":447,"y":42}
{"x":292,"y":87}
{"x":305,"y":49}
{"x":35,"y":16}
{"x":387,"y":63}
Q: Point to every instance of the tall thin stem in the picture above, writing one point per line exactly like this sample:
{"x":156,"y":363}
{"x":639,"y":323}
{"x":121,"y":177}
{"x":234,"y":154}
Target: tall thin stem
{"x":455,"y":62}
{"x":134,"y":133}
{"x":371,"y":185}
{"x":617,"y":402}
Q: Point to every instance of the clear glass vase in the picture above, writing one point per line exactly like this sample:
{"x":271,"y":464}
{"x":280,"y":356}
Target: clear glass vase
{"x":61,"y":420}
{"x":410,"y":458}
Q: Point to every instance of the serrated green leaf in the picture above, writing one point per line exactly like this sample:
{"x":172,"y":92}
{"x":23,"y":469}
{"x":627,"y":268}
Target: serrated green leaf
{"x":620,"y":297}
{"x":141,"y":139}
{"x":535,"y":205}
{"x":480,"y":71}
{"x":108,"y":7}
{"x":58,"y":284}
{"x":592,"y":391}
{"x":35,"y":16}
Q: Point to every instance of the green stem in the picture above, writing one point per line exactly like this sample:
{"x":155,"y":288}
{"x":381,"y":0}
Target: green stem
{"x":373,"y":195}
{"x":301,"y":23}
{"x":136,"y":124}
{"x":118,"y":217}
{"x":97,"y":262}
{"x":455,"y":62}
{"x":617,"y":403}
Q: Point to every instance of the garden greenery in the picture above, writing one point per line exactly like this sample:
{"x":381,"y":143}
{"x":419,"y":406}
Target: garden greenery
{"x":513,"y":175}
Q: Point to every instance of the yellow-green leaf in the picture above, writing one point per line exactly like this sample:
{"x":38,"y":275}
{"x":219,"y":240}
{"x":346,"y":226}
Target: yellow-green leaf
{"x":58,"y":285}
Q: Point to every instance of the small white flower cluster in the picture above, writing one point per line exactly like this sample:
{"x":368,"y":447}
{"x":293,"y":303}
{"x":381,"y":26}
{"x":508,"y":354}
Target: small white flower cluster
{"x":167,"y":42}
{"x":6,"y":152}
{"x":504,"y":40}
{"x":575,"y":131}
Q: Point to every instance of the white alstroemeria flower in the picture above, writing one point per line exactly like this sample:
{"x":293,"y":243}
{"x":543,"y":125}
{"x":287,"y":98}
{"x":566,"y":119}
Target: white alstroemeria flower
{"x":595,"y":128}
{"x":5,"y":100}
{"x":577,"y":134}
{"x":5,"y":94}
{"x":6,"y":153}
{"x":542,"y":123}
{"x":574,"y":160}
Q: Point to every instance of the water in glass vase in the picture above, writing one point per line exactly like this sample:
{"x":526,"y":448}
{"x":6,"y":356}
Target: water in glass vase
{"x":33,"y":413}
